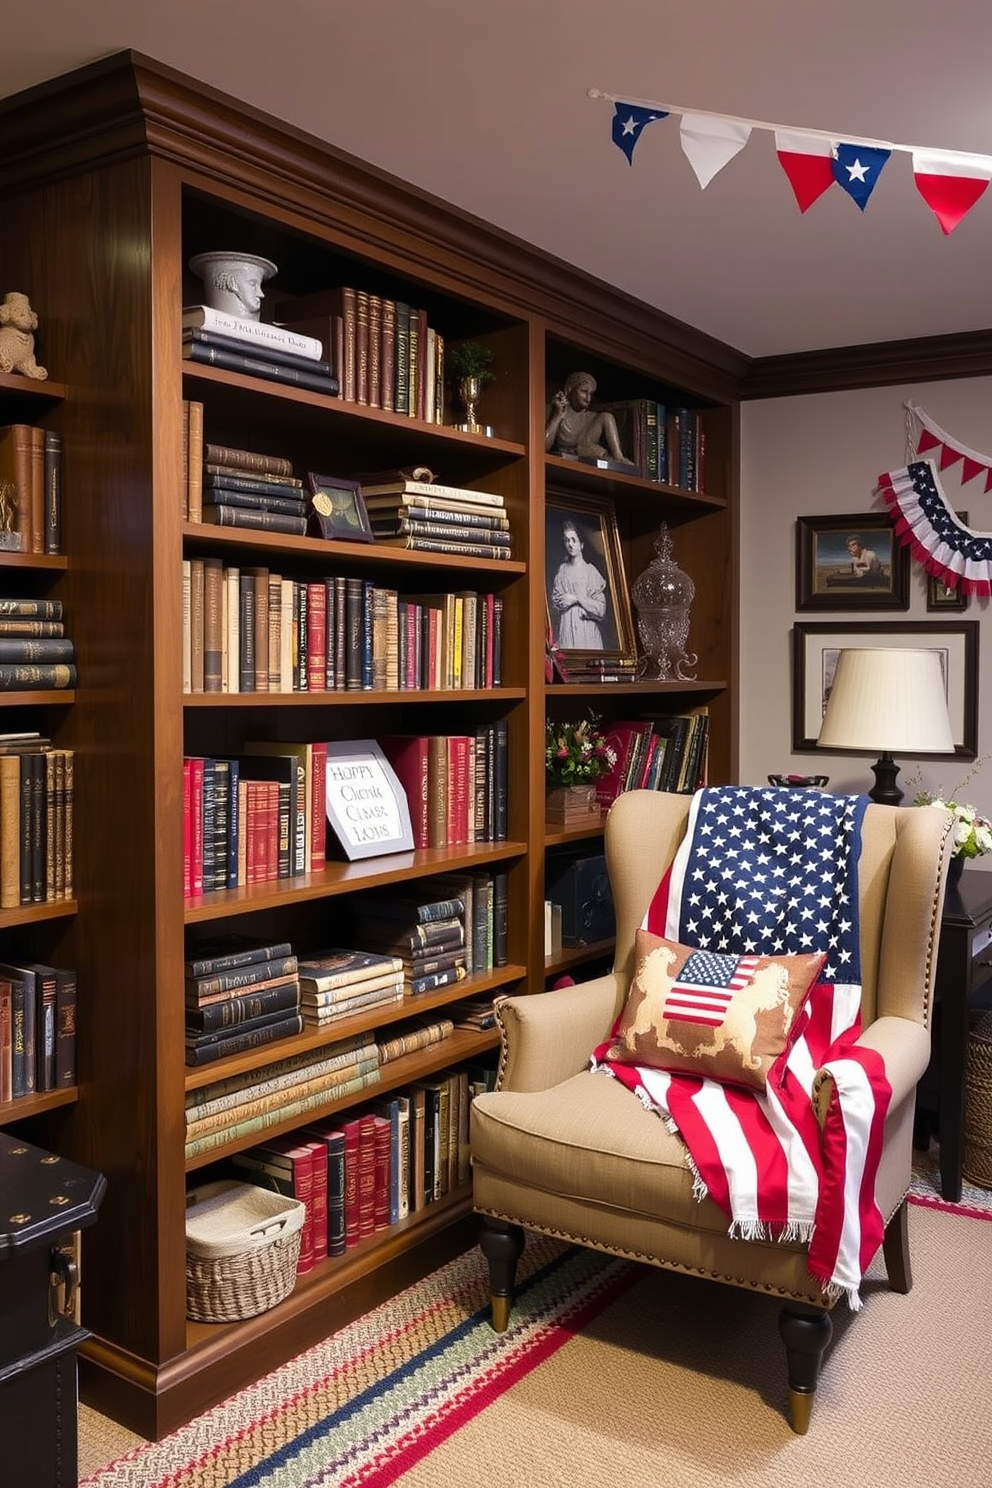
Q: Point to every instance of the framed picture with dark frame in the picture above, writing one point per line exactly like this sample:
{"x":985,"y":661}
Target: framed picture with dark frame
{"x":942,"y":600}
{"x":586,"y":596}
{"x":852,"y":562}
{"x":815,"y":649}
{"x":338,"y":511}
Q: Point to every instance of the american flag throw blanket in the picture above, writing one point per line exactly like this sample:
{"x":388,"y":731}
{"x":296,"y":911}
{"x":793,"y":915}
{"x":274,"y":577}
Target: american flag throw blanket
{"x":776,"y":871}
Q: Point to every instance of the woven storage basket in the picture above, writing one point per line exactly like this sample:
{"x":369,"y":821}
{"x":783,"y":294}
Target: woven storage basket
{"x":242,"y":1246}
{"x":976,"y":1161}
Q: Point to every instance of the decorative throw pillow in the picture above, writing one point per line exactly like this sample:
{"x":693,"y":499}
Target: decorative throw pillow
{"x":727,"y":1017}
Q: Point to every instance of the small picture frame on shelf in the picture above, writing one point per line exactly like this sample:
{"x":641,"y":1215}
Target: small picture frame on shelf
{"x":852,"y":562}
{"x":337,"y":509}
{"x":589,"y":618}
{"x":367,"y":808}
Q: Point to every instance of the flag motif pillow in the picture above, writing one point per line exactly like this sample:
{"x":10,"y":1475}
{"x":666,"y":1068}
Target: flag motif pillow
{"x":724,"y":1016}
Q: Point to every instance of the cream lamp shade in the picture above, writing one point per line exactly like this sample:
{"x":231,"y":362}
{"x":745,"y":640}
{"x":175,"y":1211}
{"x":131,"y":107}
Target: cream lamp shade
{"x":889,"y":700}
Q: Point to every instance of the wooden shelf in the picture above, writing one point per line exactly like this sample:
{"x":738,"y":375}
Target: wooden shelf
{"x":569,"y":957}
{"x":26,"y":1106}
{"x":111,"y":233}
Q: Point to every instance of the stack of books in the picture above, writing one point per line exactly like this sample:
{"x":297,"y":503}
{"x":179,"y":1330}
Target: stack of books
{"x":337,"y":983}
{"x":35,"y":652}
{"x":232,"y":487}
{"x":433,"y":518}
{"x":428,"y":937}
{"x":299,"y":1085}
{"x":255,"y":348}
{"x":240,"y":999}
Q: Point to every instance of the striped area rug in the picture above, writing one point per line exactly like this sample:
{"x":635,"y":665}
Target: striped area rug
{"x":368,"y":1403}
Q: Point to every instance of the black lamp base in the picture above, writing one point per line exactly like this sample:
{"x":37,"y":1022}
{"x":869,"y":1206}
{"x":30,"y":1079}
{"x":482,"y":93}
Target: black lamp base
{"x":886,"y":792}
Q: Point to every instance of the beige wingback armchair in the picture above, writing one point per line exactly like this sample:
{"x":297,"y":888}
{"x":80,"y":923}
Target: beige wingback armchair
{"x":570,"y":1153}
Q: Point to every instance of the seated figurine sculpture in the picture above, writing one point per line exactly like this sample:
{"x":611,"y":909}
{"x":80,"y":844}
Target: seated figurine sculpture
{"x":18,"y":323}
{"x":578,"y":431}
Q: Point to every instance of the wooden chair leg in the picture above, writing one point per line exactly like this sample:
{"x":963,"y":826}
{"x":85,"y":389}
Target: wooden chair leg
{"x":805,"y":1331}
{"x":502,"y":1245}
{"x":895,"y":1249}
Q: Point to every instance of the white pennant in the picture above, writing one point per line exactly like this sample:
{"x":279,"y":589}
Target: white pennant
{"x":711,"y":142}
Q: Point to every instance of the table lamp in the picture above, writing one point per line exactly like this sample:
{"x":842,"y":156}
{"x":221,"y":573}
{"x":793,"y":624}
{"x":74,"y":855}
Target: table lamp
{"x":889,"y":700}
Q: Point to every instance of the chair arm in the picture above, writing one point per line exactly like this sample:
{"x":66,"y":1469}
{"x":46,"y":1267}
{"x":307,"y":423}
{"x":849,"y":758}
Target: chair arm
{"x":905,"y":1050}
{"x":550,"y":1036}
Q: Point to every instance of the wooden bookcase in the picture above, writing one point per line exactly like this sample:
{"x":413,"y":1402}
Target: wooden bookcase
{"x":113,"y":178}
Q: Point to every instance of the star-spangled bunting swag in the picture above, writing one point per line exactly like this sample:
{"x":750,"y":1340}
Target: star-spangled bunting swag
{"x":775,"y":871}
{"x":949,"y":181}
{"x":956,"y":555}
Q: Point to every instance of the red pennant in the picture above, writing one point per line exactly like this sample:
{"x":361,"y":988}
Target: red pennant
{"x":950,"y":198}
{"x":809,"y":176}
{"x":988,"y":483}
{"x":970,"y":469}
{"x":927,"y":441}
{"x":949,"y":456}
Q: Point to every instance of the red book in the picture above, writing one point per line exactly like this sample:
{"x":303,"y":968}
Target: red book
{"x":408,"y":755}
{"x":286,"y":1165}
{"x":196,"y":824}
{"x":254,"y":830}
{"x":318,"y":807}
{"x":317,"y":637}
{"x":351,"y":1160}
{"x":459,"y":794}
{"x":382,"y":1154}
{"x":319,"y":1149}
{"x":366,"y":1175}
{"x":624,"y":738}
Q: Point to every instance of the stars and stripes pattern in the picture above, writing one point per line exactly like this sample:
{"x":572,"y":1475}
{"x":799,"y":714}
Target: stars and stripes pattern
{"x":703,"y":989}
{"x":953,"y":553}
{"x":775,"y":871}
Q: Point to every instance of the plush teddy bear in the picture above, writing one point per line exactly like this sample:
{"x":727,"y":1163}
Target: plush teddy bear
{"x":18,"y":322}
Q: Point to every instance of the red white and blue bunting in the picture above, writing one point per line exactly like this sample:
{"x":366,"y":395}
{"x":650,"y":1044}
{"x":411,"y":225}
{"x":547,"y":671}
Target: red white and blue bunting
{"x":956,"y":555}
{"x":949,"y":181}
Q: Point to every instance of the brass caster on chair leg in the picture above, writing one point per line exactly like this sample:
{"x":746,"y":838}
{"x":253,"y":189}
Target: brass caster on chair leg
{"x":800,"y":1410}
{"x":501,"y":1313}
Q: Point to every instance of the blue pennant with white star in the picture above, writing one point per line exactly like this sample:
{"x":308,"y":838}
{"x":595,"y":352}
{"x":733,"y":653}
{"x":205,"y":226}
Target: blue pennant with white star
{"x":629,"y":120}
{"x":775,"y":872}
{"x":857,"y":168}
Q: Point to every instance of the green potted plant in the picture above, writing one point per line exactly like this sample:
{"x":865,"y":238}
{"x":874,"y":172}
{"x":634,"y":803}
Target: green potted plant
{"x":471,"y":365}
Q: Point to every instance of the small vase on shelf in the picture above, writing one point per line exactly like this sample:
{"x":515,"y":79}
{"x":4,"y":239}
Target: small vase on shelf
{"x":955,"y":872}
{"x":570,"y":805}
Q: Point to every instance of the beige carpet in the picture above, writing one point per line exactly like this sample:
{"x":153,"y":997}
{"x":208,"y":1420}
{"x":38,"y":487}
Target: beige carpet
{"x":682,"y":1383}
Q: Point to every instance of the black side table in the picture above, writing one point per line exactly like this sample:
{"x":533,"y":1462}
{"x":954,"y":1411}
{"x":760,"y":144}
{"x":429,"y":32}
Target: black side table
{"x":964,"y":976}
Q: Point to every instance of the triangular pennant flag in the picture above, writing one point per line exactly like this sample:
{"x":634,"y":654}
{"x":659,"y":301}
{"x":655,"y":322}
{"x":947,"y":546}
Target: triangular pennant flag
{"x":856,"y":168}
{"x":949,"y":457}
{"x":629,"y":120}
{"x":807,"y":160}
{"x":710,"y":143}
{"x":927,"y":441}
{"x":950,"y":183}
{"x":970,"y":469}
{"x":988,"y":483}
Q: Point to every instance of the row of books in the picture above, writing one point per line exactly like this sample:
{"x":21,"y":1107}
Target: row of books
{"x":666,"y":753}
{"x":247,"y":629}
{"x":35,"y":652}
{"x":238,"y":344}
{"x":36,"y":817}
{"x":37,"y":1029}
{"x":383,"y":350}
{"x":240,"y":1008}
{"x":360,"y":1175}
{"x":253,"y":817}
{"x":455,"y":784}
{"x":667,"y":444}
{"x":30,"y":489}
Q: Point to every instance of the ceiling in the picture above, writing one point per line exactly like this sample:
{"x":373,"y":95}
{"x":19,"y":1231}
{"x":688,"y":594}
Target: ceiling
{"x":487,"y":106}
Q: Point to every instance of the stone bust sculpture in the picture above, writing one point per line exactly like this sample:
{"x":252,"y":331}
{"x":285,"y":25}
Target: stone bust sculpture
{"x":578,"y":431}
{"x":232,"y":282}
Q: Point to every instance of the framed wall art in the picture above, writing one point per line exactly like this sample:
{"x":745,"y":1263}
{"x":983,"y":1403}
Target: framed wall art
{"x":815,"y":649}
{"x":941,"y":599}
{"x":587,"y":600}
{"x":338,"y":509}
{"x":852,"y":562}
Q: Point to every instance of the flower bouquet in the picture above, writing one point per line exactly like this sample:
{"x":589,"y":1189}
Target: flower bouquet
{"x":575,"y":755}
{"x":972,"y":831}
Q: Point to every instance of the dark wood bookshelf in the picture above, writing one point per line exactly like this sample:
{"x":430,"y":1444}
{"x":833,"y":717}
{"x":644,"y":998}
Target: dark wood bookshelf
{"x":114,"y":178}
